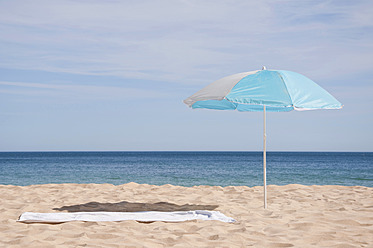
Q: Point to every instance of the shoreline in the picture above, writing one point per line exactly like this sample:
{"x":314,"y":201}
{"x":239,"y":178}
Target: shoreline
{"x":297,"y":215}
{"x":194,"y":186}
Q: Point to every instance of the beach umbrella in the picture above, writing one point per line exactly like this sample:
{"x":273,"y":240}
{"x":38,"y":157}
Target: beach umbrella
{"x":263,"y":90}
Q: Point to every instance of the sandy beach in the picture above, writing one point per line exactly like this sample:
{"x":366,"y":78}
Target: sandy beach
{"x":297,"y":216}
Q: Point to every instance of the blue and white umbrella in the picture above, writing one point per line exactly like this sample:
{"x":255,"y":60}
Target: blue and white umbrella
{"x":263,"y":90}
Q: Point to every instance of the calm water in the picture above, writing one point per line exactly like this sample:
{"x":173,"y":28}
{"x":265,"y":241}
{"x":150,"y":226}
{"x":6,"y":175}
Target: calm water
{"x":186,"y":168}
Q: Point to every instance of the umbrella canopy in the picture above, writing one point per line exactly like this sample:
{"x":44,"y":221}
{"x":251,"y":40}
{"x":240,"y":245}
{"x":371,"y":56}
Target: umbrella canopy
{"x":276,"y":89}
{"x":263,"y":90}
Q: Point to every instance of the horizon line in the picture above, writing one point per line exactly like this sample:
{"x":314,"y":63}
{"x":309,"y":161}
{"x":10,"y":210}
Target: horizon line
{"x":175,"y":151}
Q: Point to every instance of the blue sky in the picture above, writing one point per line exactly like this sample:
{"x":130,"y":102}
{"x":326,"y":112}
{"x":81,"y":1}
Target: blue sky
{"x":111,"y":75}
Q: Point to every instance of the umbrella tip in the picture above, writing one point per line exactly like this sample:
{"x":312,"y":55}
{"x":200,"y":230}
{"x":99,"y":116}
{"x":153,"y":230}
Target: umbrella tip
{"x":264,"y":68}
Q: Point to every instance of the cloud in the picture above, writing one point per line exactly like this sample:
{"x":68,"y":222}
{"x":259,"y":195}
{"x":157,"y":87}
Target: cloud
{"x":87,"y":91}
{"x":190,"y":42}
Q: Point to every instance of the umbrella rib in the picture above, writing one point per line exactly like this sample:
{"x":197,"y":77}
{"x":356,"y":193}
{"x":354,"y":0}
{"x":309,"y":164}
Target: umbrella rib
{"x":286,"y":87}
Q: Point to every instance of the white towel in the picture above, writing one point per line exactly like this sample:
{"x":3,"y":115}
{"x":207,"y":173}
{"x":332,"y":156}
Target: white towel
{"x":148,"y":216}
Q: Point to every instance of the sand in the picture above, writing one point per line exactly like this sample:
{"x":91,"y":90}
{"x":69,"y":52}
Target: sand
{"x":297,"y":216}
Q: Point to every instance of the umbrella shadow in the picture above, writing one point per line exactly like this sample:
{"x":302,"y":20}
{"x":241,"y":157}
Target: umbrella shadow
{"x":125,"y":206}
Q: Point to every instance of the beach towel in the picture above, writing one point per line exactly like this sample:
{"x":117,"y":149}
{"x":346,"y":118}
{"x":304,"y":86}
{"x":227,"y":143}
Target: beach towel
{"x":147,"y":216}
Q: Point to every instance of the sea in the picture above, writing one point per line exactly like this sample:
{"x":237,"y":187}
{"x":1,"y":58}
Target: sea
{"x":187,"y":168}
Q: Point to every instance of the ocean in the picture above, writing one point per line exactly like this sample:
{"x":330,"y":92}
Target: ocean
{"x":187,"y":168}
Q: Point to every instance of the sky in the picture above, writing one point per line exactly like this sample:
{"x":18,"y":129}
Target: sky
{"x":111,"y":75}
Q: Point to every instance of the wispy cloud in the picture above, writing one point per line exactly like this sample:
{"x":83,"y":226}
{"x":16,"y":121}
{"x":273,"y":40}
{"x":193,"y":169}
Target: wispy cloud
{"x":186,"y":41}
{"x":86,"y":91}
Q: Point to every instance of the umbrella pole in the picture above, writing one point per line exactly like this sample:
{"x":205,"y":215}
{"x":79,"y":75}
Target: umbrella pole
{"x":264,"y":158}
